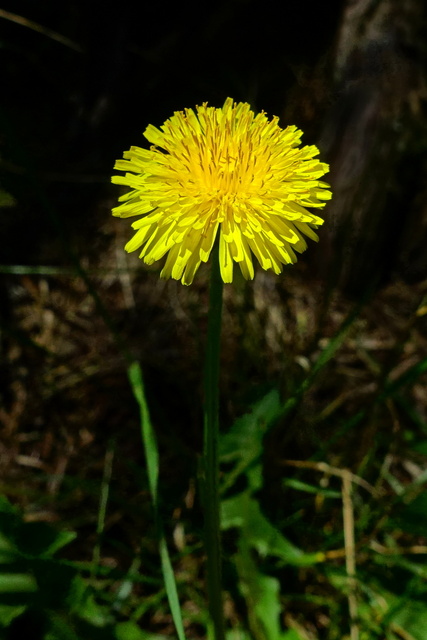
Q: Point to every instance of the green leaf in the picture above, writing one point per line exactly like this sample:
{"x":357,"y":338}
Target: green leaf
{"x":81,"y":601}
{"x":8,"y":552}
{"x":59,"y":629}
{"x":62,"y":539}
{"x":237,"y":634}
{"x":267,"y":606}
{"x":412,"y":618}
{"x":17,"y":583}
{"x":261,"y":593}
{"x":170,"y":586}
{"x":39,"y":539}
{"x":243,"y":512}
{"x":36,"y":539}
{"x":6,"y":507}
{"x":292,"y":634}
{"x":243,"y":443}
{"x":147,"y":431}
{"x":8,"y":613}
{"x":152,"y":459}
{"x":244,"y":439}
{"x":131,"y":631}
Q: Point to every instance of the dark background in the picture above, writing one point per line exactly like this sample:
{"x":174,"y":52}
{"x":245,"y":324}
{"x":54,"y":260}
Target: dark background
{"x":351,"y":74}
{"x":70,"y":109}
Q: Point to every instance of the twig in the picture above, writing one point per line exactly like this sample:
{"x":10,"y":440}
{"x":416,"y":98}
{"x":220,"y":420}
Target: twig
{"x":50,"y":33}
{"x":399,"y":551}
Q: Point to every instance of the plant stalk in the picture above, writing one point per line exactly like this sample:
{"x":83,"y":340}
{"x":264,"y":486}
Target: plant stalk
{"x":210,"y":449}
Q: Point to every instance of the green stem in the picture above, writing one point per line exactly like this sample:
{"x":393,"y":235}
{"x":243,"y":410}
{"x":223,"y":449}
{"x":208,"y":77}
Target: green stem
{"x":210,"y":450}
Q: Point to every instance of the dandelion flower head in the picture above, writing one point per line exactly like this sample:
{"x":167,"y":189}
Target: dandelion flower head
{"x":221,"y":171}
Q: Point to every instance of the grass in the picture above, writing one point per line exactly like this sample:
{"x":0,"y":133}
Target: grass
{"x":323,"y":458}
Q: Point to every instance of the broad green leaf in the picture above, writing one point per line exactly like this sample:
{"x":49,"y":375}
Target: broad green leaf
{"x":244,"y":439}
{"x":81,"y":601}
{"x":243,"y":443}
{"x":59,"y":629}
{"x":267,"y":607}
{"x":131,"y":631}
{"x":243,"y":512}
{"x":8,"y":613}
{"x":261,"y":593}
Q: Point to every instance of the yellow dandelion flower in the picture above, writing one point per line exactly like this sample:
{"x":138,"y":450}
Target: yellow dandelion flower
{"x":225,"y":171}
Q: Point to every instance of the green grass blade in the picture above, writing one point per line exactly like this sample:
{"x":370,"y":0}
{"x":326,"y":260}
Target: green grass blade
{"x":170,"y":585}
{"x":325,"y":356}
{"x":152,"y":460}
{"x":147,"y":431}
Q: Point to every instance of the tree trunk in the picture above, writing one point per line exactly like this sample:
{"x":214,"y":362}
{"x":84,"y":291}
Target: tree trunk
{"x":375,"y":137}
